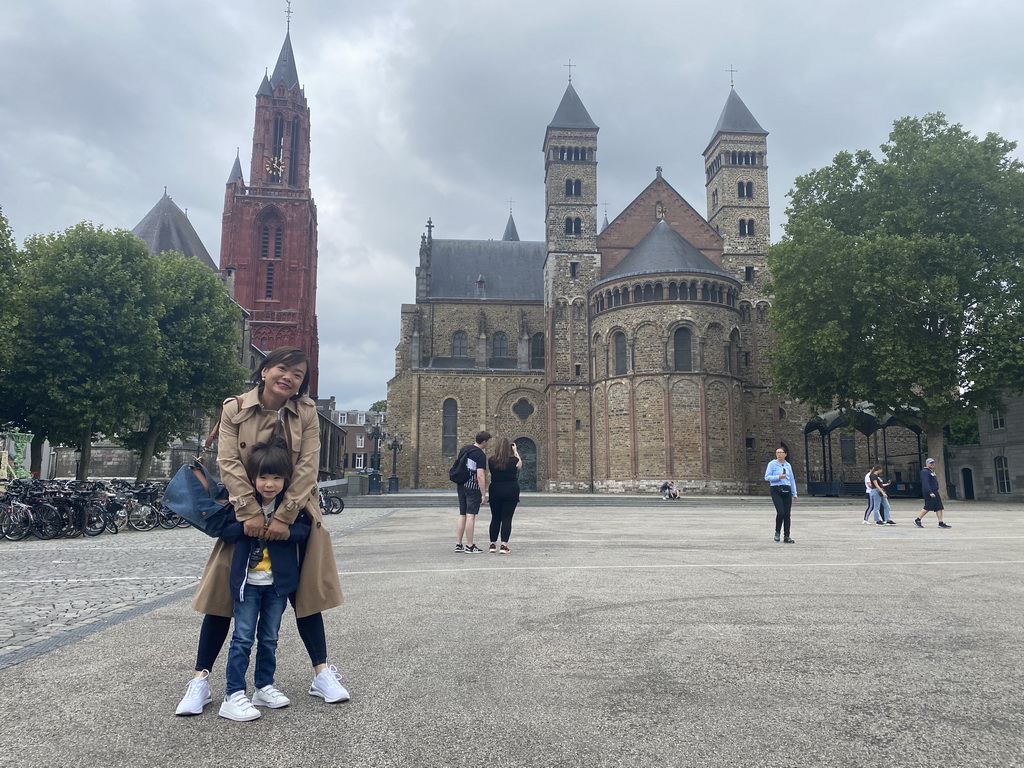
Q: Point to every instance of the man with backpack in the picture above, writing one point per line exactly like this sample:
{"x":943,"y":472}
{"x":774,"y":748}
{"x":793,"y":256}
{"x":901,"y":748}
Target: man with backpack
{"x":469,"y":474}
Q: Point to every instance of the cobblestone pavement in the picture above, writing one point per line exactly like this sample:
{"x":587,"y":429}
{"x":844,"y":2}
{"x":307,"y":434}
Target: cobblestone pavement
{"x":56,"y":592}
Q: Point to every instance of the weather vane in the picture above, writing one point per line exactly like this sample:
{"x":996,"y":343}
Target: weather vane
{"x":570,"y":65}
{"x":731,"y":72}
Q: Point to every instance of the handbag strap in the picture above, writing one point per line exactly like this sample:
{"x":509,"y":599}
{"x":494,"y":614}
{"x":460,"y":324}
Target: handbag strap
{"x":213,"y":434}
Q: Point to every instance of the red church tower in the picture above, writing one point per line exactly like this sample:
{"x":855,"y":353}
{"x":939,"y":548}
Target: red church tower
{"x":268,"y":240}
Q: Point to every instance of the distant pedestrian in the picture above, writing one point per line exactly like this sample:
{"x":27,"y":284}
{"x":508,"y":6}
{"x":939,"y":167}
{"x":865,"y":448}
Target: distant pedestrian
{"x":779,"y":475}
{"x":504,"y":464}
{"x":930,"y":491}
{"x":472,"y":492}
{"x":878,"y":499}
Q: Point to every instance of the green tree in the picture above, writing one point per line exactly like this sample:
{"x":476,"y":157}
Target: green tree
{"x":198,"y":358}
{"x":898,"y":280}
{"x":8,"y":289}
{"x":381,"y":406}
{"x":86,"y":351}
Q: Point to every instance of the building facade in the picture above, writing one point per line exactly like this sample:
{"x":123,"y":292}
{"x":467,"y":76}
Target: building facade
{"x":269,"y":235}
{"x":992,"y":470}
{"x":616,"y":357}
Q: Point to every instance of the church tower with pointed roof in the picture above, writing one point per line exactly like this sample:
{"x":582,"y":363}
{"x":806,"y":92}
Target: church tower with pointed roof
{"x":269,"y":233}
{"x":572,"y":266}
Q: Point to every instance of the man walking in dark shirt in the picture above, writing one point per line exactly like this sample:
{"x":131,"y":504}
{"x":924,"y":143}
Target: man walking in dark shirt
{"x":472,"y":492}
{"x":930,"y":491}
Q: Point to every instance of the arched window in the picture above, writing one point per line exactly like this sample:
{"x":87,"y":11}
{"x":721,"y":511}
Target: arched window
{"x":743,"y":227}
{"x":293,"y":154}
{"x":682,"y":348}
{"x":568,"y":225}
{"x":449,"y":428}
{"x":577,"y":226}
{"x":659,"y":292}
{"x":750,"y":227}
{"x":270,"y":280}
{"x":577,"y":188}
{"x":277,"y":150}
{"x":620,"y":354}
{"x":1002,"y":475}
{"x":750,"y":189}
{"x":500,"y":345}
{"x":537,"y":351}
{"x":460,"y":344}
{"x":648,"y":292}
{"x":638,"y":294}
{"x":741,"y":189}
{"x":673,"y":291}
{"x":568,"y":187}
{"x":693,"y":291}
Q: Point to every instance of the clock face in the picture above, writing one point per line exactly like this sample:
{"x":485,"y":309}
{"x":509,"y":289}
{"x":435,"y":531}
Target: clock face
{"x":275,"y":167}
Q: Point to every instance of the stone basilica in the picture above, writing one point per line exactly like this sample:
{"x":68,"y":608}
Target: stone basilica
{"x":617,"y":357}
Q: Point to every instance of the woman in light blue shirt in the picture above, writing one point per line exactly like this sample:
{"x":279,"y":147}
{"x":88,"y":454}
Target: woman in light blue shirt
{"x":783,"y":487}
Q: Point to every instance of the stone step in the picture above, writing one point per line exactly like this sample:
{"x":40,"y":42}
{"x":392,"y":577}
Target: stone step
{"x":449,"y":499}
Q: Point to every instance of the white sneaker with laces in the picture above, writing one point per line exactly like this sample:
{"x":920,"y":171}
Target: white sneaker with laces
{"x":197,"y":695}
{"x":327,"y":685}
{"x":269,"y":696}
{"x":238,"y":708}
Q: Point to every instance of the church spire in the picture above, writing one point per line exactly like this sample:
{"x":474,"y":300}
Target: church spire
{"x":284,"y":70}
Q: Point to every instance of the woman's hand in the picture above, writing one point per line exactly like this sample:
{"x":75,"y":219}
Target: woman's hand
{"x":277,"y":531}
{"x":254,"y":527}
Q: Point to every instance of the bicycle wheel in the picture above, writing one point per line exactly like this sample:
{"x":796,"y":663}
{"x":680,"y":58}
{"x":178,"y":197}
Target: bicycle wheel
{"x":116,"y":520}
{"x":47,"y":522}
{"x":167,"y":518}
{"x":142,"y":517}
{"x":334,"y":505}
{"x":71,"y":519}
{"x":15,"y":522}
{"x":95,"y":520}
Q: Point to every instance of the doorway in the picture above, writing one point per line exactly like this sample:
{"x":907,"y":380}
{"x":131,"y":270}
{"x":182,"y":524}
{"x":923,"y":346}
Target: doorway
{"x":528,"y":474}
{"x":968,"y":483}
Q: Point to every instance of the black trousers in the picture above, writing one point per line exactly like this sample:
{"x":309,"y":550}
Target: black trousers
{"x":783,"y":506}
{"x":503,"y":498}
{"x":215,"y":632}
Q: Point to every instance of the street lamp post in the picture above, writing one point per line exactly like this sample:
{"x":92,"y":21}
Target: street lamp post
{"x":377,"y":434}
{"x":396,"y":446}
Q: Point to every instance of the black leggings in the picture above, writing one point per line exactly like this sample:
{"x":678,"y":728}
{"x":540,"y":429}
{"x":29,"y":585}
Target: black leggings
{"x":783,"y":505}
{"x":215,"y":632}
{"x":503,"y":500}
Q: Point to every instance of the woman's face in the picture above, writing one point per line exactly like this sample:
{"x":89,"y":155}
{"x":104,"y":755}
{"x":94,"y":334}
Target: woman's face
{"x":284,"y":380}
{"x":780,"y":455}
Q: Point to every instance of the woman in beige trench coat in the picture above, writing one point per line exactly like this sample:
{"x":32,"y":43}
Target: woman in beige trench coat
{"x":277,"y":404}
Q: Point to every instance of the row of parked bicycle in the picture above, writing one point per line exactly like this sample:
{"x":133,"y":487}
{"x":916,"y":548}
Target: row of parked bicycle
{"x":48,"y":509}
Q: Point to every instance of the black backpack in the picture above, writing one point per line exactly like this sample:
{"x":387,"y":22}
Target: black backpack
{"x":459,"y":472}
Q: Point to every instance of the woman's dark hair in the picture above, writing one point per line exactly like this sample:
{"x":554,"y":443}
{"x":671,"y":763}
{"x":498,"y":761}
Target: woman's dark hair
{"x":876,"y":468}
{"x":287,"y":356}
{"x":270,"y":458}
{"x":502,"y":454}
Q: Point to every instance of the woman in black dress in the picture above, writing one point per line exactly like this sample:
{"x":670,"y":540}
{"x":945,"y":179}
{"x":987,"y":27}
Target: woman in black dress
{"x":503,"y":493}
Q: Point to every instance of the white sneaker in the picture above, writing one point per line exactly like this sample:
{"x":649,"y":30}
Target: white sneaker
{"x":197,"y":695}
{"x":238,"y":708}
{"x":269,"y":696}
{"x":327,"y":685}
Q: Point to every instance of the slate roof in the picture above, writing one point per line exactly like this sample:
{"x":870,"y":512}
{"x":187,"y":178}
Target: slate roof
{"x":167,"y":228}
{"x":285,"y":70}
{"x":510,"y":230}
{"x":663,"y":250}
{"x":511,"y":269}
{"x":571,"y":113}
{"x":236,"y":172}
{"x":736,"y":118}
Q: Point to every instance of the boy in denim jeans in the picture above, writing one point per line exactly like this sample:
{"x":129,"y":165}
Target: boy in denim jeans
{"x":263,"y":575}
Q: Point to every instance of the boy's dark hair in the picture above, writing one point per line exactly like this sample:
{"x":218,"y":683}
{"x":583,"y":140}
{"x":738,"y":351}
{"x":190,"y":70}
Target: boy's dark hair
{"x":482,"y":437}
{"x":270,"y":458}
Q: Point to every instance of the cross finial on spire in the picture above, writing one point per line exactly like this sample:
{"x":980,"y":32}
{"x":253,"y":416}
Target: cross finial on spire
{"x":606,"y":209}
{"x":288,"y":13}
{"x":731,"y":72}
{"x":569,"y":66}
{"x":510,"y":201}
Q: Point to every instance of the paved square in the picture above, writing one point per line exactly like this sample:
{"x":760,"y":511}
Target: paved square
{"x":658,"y":634}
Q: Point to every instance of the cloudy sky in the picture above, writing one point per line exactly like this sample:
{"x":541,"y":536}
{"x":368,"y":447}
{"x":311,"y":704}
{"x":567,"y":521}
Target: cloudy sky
{"x":437,"y":109}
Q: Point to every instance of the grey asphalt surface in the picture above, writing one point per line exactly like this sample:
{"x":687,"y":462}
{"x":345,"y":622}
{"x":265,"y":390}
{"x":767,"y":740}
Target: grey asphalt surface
{"x":655,"y":634}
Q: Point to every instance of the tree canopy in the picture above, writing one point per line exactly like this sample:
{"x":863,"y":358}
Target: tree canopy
{"x":898,"y":280}
{"x":199,"y":333}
